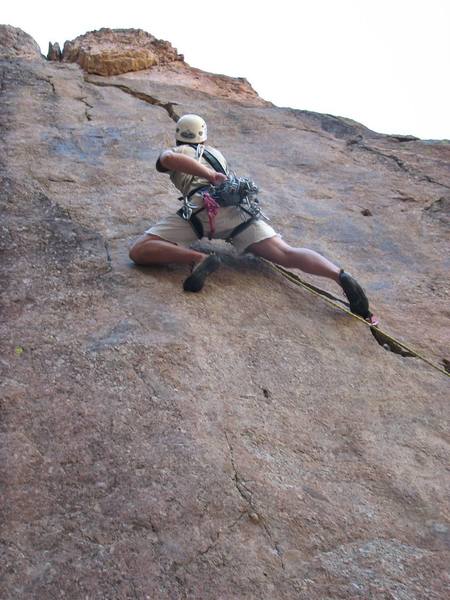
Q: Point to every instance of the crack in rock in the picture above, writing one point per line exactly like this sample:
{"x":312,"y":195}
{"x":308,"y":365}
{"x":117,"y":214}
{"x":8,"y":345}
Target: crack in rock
{"x":167,"y":106}
{"x":431,"y":180}
{"x":49,"y":81}
{"x":404,"y":138}
{"x":87,"y":114}
{"x":211,"y":545}
{"x":2,"y":81}
{"x":389,"y":344}
{"x":108,"y":256}
{"x":247,"y":494}
{"x":400,"y":164}
{"x":62,"y":180}
{"x":218,"y":534}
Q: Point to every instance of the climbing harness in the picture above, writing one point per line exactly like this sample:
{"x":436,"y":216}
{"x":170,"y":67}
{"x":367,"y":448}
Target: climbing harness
{"x":381,"y":336}
{"x":235,"y":191}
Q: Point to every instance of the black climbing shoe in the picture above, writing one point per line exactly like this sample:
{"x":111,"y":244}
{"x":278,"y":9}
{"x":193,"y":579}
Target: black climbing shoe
{"x":355,"y":295}
{"x":196,"y":279}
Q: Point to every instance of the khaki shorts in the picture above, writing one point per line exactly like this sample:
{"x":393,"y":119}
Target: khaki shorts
{"x":179,"y":231}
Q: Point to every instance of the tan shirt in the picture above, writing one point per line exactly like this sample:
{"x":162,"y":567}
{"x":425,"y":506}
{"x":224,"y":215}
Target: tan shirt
{"x":186,"y":183}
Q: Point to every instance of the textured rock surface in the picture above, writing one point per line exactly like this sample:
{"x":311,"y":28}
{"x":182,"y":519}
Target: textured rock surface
{"x":119,"y":51}
{"x":116,"y":51}
{"x":247,"y":442}
{"x":15,"y":43}
{"x":179,"y":73}
{"x":54,"y":52}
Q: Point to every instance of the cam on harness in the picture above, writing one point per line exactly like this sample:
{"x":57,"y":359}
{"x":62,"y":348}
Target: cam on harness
{"x":235,"y":191}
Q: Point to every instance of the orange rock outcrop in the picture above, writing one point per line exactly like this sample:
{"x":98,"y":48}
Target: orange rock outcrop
{"x":115,"y":51}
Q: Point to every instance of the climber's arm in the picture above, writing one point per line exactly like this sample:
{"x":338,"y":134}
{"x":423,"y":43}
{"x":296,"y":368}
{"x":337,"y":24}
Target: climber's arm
{"x":172,"y":161}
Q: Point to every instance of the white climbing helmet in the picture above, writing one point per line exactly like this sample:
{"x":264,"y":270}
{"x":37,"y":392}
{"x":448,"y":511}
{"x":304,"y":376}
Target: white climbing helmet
{"x":191,"y":129}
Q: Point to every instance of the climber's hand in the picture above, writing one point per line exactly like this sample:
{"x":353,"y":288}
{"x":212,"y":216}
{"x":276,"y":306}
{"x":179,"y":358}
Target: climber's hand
{"x":216,"y":178}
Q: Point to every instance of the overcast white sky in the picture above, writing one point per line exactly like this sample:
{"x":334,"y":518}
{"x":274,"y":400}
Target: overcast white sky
{"x":384,"y":63}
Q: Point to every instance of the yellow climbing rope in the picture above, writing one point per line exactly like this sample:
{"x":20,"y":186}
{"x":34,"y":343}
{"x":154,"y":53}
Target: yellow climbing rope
{"x":378,"y":333}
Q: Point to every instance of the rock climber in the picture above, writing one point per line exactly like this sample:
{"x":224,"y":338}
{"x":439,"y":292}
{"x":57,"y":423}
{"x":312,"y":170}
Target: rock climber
{"x":197,"y":169}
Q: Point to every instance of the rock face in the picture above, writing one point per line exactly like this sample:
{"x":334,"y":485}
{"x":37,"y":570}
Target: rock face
{"x":15,"y":43}
{"x":247,"y":442}
{"x":54,"y":52}
{"x":115,"y":51}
